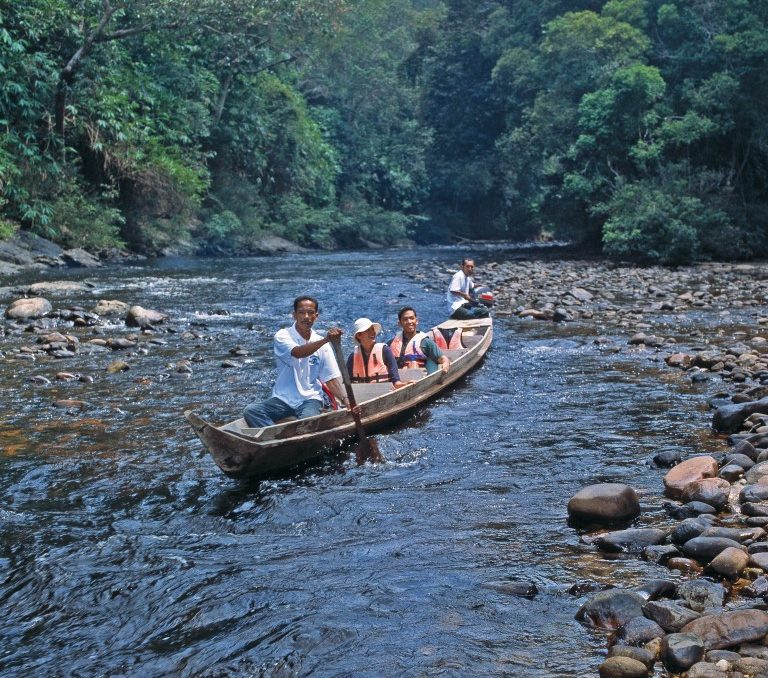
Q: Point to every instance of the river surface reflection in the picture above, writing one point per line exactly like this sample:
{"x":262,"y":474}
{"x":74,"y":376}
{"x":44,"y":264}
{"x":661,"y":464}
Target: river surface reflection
{"x":125,"y":551}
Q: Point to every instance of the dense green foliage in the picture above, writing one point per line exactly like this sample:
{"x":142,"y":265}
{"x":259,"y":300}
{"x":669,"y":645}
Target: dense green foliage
{"x":635,"y":125}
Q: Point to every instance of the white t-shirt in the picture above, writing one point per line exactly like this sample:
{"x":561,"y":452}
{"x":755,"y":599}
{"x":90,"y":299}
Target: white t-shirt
{"x":298,"y":378}
{"x":459,"y":283}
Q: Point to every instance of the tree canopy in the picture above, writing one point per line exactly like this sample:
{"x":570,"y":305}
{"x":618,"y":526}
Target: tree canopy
{"x":636,"y":126}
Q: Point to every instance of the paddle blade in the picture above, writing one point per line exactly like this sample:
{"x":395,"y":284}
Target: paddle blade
{"x":367,"y":449}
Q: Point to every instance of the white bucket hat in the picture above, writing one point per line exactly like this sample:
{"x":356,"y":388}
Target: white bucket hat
{"x":363,"y":324}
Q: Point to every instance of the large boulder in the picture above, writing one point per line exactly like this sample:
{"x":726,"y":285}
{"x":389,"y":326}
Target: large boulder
{"x":79,"y":258}
{"x":110,"y":307}
{"x":728,"y":629}
{"x":604,"y":503}
{"x":27,"y":309}
{"x":686,"y":472}
{"x":138,"y":316}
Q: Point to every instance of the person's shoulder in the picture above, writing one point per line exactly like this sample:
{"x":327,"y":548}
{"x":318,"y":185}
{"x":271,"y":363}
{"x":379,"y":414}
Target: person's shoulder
{"x":285,"y":333}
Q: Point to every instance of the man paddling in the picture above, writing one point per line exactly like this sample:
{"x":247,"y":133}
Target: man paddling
{"x":304,"y":359}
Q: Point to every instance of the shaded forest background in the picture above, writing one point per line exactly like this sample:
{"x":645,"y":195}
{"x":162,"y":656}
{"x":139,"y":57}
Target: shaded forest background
{"x":637,"y":126}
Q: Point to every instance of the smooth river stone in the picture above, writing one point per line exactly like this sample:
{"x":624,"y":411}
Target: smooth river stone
{"x":687,"y":472}
{"x":704,"y":549}
{"x":604,"y":503}
{"x":633,"y":540}
{"x":611,"y":609}
{"x":668,"y":614}
{"x":729,"y":563}
{"x":759,"y":560}
{"x":622,"y":667}
{"x":754,"y":493}
{"x":680,"y":651}
{"x":757,"y":472}
{"x":728,"y":629}
{"x":713,"y":491}
{"x":28,"y":309}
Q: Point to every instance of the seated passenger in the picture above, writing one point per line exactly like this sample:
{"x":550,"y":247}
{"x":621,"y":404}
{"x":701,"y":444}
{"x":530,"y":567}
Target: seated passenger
{"x":412,"y":348}
{"x":462,"y":304}
{"x":372,"y":361}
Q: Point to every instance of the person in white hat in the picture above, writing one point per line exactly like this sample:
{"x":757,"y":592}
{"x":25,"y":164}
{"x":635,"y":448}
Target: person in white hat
{"x":304,"y":359}
{"x":372,"y":361}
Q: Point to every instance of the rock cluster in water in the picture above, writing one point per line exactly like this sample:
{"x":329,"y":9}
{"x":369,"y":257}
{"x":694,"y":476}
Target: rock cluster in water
{"x":714,"y":623}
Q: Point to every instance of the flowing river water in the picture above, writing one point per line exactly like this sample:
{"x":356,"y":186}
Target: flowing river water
{"x":126,"y":552}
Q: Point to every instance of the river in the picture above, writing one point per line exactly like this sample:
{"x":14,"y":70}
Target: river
{"x":126,"y":552}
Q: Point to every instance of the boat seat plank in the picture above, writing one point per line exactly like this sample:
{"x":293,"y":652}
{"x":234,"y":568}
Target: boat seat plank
{"x":365,"y":392}
{"x":470,"y":340}
{"x":412,"y":373}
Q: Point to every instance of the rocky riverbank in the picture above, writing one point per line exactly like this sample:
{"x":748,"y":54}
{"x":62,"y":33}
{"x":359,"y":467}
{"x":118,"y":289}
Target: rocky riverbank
{"x":27,"y":251}
{"x":714,"y":622}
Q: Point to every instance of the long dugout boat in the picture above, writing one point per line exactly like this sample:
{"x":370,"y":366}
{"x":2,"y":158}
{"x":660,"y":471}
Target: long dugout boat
{"x":243,"y":452}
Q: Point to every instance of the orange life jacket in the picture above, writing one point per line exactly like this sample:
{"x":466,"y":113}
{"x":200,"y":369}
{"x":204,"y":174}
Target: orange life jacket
{"x":376,"y":370}
{"x":442,"y":344}
{"x":412,"y":355}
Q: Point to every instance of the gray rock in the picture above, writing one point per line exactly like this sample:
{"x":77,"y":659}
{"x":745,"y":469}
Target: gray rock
{"x":746,"y":448}
{"x":735,"y":533}
{"x":604,"y":503}
{"x":633,"y":540}
{"x":689,"y":510}
{"x":656,"y":588}
{"x":755,"y":510}
{"x":79,"y":258}
{"x":700,"y":594}
{"x":638,"y":631}
{"x":688,"y":529}
{"x":713,"y":491}
{"x":741,"y":459}
{"x":704,"y":549}
{"x":680,"y":651}
{"x":729,"y":418}
{"x":757,"y":589}
{"x":668,"y":458}
{"x":611,"y":609}
{"x":637,"y":653}
{"x":753,"y":493}
{"x":660,"y":553}
{"x":731,"y":472}
{"x":669,"y":615}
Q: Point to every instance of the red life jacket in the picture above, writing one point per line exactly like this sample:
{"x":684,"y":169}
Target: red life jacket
{"x":412,"y":355}
{"x":376,"y":370}
{"x":444,"y":345}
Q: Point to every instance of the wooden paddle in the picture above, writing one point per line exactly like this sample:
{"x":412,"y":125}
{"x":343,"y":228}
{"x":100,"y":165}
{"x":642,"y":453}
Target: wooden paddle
{"x":367,"y":448}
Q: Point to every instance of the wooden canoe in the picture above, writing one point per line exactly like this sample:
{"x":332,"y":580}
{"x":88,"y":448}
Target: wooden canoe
{"x":242,"y":452}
